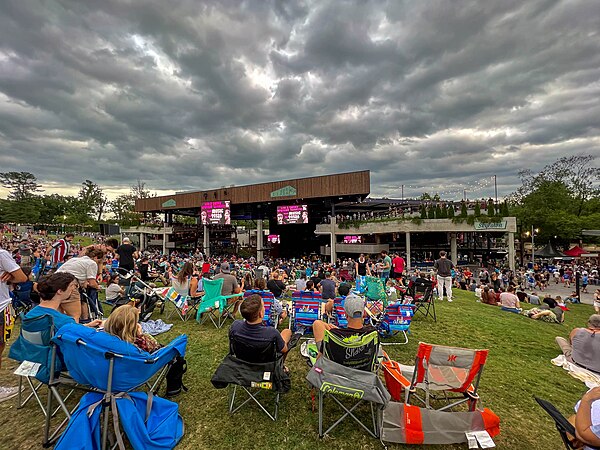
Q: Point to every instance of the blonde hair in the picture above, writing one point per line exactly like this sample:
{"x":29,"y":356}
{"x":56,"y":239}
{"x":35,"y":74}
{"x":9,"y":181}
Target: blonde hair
{"x":123,"y":323}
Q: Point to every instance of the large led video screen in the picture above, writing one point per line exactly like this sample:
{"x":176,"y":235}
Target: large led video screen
{"x":215,"y":213}
{"x":292,"y":214}
{"x":352,"y":239}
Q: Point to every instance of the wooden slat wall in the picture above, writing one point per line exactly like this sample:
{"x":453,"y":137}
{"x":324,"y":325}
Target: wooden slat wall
{"x":354,"y":183}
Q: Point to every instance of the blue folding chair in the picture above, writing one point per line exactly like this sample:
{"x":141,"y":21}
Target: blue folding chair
{"x":117,"y":369}
{"x":34,"y":348}
{"x":306,"y":308}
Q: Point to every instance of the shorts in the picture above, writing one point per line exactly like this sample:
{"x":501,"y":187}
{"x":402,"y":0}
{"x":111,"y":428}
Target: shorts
{"x":75,"y":295}
{"x":596,"y":304}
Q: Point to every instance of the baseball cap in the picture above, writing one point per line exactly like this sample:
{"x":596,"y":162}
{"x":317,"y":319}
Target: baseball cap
{"x":126,"y":239}
{"x":354,"y":306}
{"x":225,"y":267}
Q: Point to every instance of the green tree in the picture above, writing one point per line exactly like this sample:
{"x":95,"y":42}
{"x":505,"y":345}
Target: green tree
{"x":22,"y":185}
{"x":20,"y":211}
{"x":463,"y":209}
{"x":423,"y":211}
{"x":93,"y":200}
{"x":505,"y":212}
{"x":451,"y":211}
{"x":431,"y":212}
{"x":477,"y":209}
{"x":438,"y":211}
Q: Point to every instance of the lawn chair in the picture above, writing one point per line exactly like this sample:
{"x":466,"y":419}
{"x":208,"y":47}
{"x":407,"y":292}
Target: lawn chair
{"x":34,"y":347}
{"x":215,"y":306}
{"x":118,"y":370}
{"x":562,"y":424}
{"x":180,"y":304}
{"x":306,"y":308}
{"x":394,"y":320}
{"x":271,"y":318}
{"x":440,"y":371}
{"x":348,"y":368}
{"x":421,"y":291}
{"x":375,"y":289}
{"x":254,"y":367}
{"x":21,"y":297}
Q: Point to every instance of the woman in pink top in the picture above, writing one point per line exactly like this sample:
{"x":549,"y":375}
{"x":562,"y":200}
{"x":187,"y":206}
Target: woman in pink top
{"x":509,"y":301}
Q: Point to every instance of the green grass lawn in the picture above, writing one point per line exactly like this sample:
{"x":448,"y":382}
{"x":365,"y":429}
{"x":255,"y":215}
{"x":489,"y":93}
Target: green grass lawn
{"x":518,"y":368}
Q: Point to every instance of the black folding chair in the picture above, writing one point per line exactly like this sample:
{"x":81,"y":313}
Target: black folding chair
{"x":421,"y":290}
{"x":562,"y":424}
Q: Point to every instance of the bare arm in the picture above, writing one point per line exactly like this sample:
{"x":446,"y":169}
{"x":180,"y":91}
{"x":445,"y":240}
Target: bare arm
{"x":583,"y":419}
{"x":16,"y":276}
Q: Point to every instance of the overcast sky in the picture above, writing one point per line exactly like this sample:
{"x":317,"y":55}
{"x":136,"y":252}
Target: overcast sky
{"x":435,"y":95}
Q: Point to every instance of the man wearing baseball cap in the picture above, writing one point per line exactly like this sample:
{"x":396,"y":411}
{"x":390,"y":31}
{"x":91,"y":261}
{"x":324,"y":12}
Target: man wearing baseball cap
{"x":354,"y":306}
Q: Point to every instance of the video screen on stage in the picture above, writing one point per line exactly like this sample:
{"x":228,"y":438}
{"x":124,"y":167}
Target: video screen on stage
{"x":215,"y":213}
{"x":352,"y":239}
{"x":292,"y":214}
{"x":273,"y":239}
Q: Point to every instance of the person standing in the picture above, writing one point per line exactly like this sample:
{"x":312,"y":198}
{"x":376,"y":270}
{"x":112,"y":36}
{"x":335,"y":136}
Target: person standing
{"x":386,"y":266}
{"x":10,"y":272}
{"x":397,"y":266}
{"x":443,"y":267}
{"x":362,"y":270}
{"x":126,"y":254}
{"x":60,"y":249}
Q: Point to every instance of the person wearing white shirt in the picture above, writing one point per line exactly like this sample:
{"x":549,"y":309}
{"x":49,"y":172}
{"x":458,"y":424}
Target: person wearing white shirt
{"x":10,"y":272}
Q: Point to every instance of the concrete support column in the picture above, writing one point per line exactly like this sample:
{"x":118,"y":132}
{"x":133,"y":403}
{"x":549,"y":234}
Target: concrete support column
{"x":206,"y":243}
{"x":333,"y":243}
{"x":142,"y":241}
{"x":453,"y":249}
{"x":407,"y":251}
{"x":511,"y":251}
{"x":165,"y":237}
{"x":259,"y":241}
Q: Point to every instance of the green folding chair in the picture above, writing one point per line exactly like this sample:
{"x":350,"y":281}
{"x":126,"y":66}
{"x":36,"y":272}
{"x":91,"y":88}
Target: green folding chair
{"x":214,"y":306}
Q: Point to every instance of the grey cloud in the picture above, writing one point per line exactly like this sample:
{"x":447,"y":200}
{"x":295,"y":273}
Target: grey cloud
{"x":189,"y":94}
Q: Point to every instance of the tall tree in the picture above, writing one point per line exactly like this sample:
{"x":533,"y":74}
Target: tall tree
{"x":140,"y":190}
{"x":22,"y":185}
{"x":93,"y":199}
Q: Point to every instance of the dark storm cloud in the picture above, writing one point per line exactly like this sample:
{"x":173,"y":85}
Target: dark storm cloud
{"x":188,"y":94}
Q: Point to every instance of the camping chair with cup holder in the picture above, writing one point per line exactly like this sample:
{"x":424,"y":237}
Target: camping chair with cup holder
{"x":216,"y":307}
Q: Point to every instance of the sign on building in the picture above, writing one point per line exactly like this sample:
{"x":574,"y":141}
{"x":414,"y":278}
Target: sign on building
{"x":483,"y":226}
{"x":286,"y":191}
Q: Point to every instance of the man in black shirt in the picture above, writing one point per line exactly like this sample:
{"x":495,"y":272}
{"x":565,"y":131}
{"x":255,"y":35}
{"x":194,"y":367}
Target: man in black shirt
{"x":443,"y":267}
{"x":126,"y":253}
{"x":275,"y":285}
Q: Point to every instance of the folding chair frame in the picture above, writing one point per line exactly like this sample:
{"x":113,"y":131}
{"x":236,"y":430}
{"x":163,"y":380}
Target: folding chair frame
{"x":108,"y":394}
{"x":563,"y":426}
{"x":376,"y":416}
{"x":469,"y":395}
{"x":252,"y":394}
{"x":425,"y":304}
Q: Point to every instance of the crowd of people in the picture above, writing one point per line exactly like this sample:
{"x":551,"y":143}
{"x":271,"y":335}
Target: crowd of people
{"x":64,"y":270}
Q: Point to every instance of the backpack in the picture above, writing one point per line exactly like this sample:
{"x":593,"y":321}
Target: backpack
{"x":175,"y":377}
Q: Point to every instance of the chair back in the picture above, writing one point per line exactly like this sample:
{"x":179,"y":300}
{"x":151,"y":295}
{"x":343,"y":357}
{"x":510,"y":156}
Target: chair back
{"x":421,"y":289}
{"x":357,"y":352}
{"x":398,"y":316}
{"x":375,"y":289}
{"x":212,"y":288}
{"x":253,"y":351}
{"x":90,"y":354}
{"x":341,"y":319}
{"x":35,"y":344}
{"x":562,"y":424}
{"x":306,"y":308}
{"x":448,"y":368}
{"x":268,"y":300}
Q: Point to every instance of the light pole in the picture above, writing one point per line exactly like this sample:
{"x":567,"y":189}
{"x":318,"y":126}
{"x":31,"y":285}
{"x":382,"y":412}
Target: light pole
{"x":533,"y":231}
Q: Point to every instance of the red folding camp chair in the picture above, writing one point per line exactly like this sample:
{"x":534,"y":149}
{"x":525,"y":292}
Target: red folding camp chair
{"x":439,"y":372}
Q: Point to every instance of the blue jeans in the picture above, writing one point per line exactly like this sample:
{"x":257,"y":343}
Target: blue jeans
{"x":512,"y":310}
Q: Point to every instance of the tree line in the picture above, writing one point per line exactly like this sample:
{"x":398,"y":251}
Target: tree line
{"x":26,"y":203}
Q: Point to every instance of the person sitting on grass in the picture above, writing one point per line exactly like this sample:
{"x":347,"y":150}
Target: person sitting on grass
{"x":583,"y":346}
{"x":252,"y":329}
{"x":354,"y":306}
{"x":509,"y":301}
{"x":544,"y":315}
{"x":124,"y":324}
{"x":114,"y":291}
{"x":488,"y":296}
